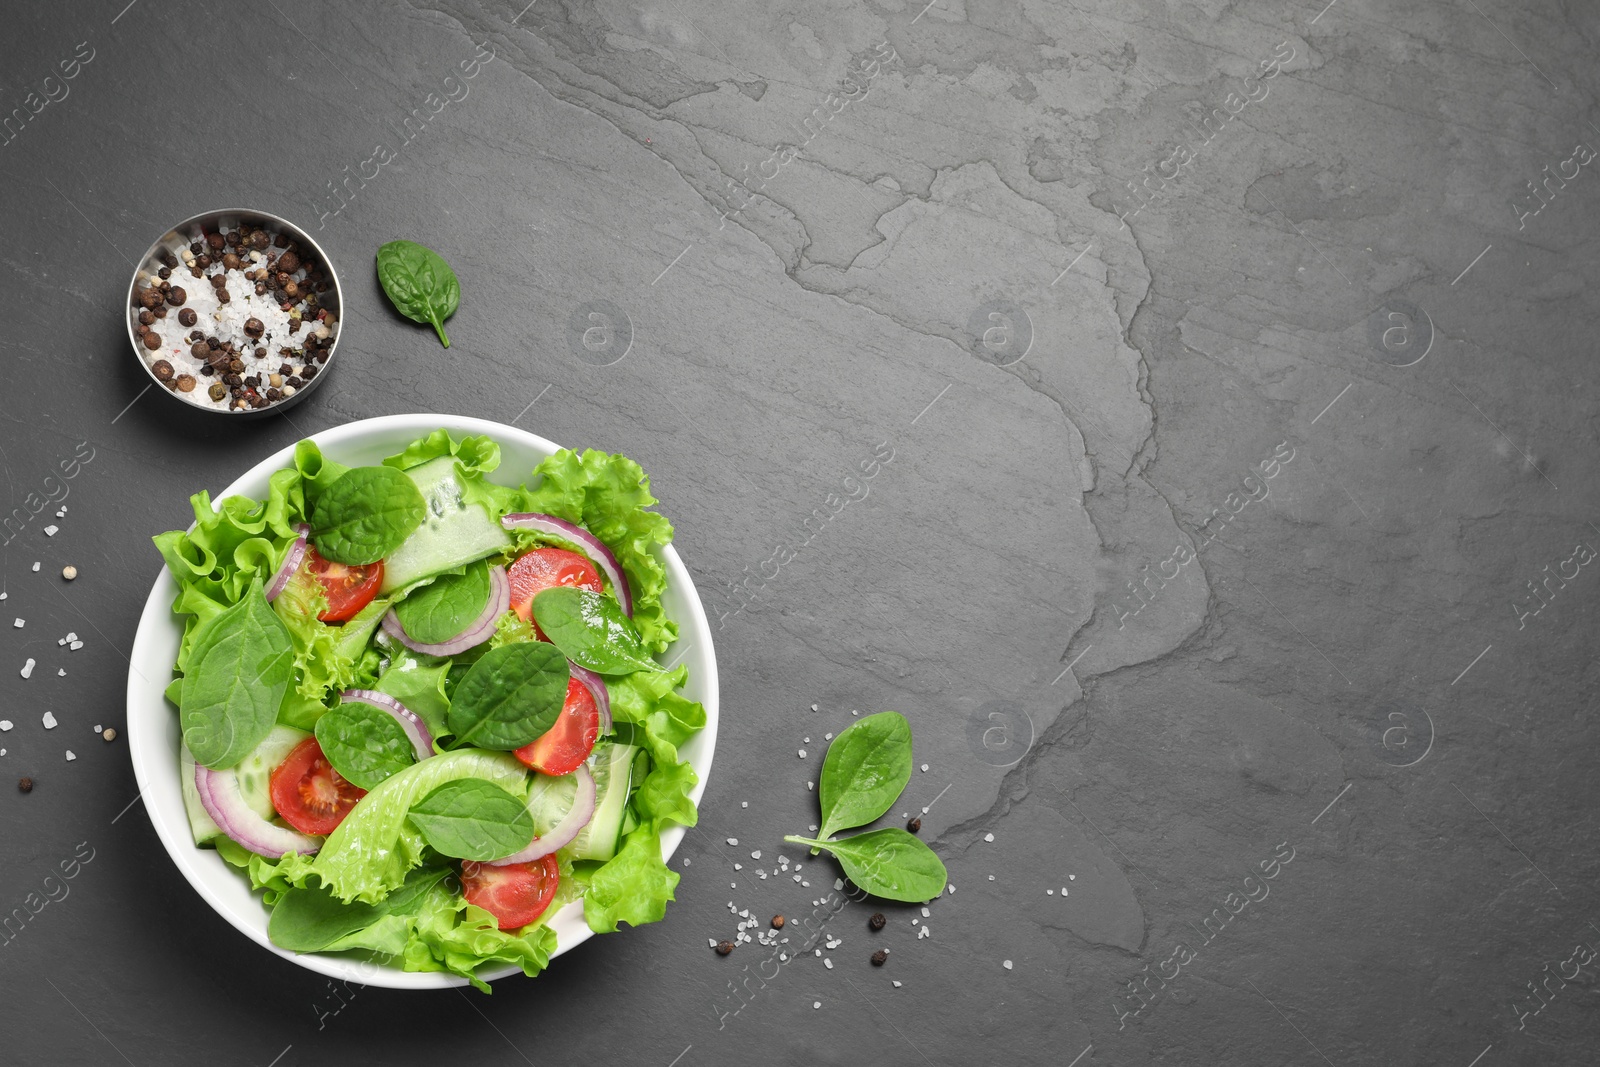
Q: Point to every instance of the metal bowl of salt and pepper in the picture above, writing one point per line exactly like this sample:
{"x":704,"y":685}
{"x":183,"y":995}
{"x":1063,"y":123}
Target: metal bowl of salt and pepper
{"x":235,"y":312}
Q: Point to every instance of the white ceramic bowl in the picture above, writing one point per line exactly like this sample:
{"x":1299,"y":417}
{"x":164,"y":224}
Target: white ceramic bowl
{"x":153,"y":723}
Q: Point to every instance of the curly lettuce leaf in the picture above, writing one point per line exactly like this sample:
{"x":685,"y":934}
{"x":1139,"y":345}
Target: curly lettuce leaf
{"x":475,"y":455}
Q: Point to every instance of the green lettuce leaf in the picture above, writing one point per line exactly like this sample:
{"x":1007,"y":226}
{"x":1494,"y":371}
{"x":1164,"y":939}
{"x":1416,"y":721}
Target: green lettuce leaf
{"x":474,"y":455}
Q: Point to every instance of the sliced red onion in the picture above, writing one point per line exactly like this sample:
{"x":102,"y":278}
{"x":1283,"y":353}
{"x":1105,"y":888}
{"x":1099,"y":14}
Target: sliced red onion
{"x":476,"y":633}
{"x":597,"y":688}
{"x":596,"y":548}
{"x":564,"y":831}
{"x":220,"y":796}
{"x":416,"y":730}
{"x":291,"y":563}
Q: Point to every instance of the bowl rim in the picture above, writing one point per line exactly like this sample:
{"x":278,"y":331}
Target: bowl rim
{"x":143,"y":262}
{"x":152,"y":765}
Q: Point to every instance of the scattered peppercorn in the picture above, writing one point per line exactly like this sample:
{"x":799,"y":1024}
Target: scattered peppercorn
{"x":109,"y":734}
{"x":880,"y":957}
{"x":777,"y":922}
{"x":187,"y":317}
{"x":26,"y":785}
{"x":69,"y":572}
{"x":915,"y":824}
{"x":877,"y":921}
{"x":723,"y":947}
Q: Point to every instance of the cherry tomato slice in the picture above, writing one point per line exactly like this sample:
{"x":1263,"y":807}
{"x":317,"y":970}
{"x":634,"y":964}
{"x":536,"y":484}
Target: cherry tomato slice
{"x":560,"y":749}
{"x":311,"y":796}
{"x":349,"y":589}
{"x":543,"y":568}
{"x":515,"y":894}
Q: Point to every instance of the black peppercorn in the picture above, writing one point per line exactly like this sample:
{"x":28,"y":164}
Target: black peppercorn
{"x":915,"y":824}
{"x":877,"y":921}
{"x":723,"y":947}
{"x":880,"y":957}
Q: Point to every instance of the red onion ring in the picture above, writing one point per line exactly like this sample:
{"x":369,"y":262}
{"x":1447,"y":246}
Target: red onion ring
{"x":596,"y":548}
{"x":564,"y":831}
{"x":477,"y":632}
{"x":220,"y":796}
{"x":291,"y":563}
{"x":416,"y":730}
{"x":597,"y":689}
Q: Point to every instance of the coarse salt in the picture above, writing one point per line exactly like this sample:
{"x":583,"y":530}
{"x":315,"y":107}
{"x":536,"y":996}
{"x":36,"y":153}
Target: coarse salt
{"x":733,"y":840}
{"x":988,"y":837}
{"x":50,"y":531}
{"x":5,"y":724}
{"x":924,"y":768}
{"x":897,"y":985}
{"x":922,"y":933}
{"x":744,"y":803}
{"x":827,"y":737}
{"x":952,"y":887}
{"x":72,"y":636}
{"x":738,"y":866}
{"x":924,"y":913}
{"x":802,"y":753}
{"x":61,"y":672}
{"x":1049,"y":892}
{"x":49,"y":721}
{"x":1063,"y":890}
{"x":70,"y":755}
{"x":19,"y":624}
{"x":35,"y":564}
{"x":756,"y":854}
{"x":816,"y":1003}
{"x":811,"y":785}
{"x":828,"y":964}
{"x":1006,"y":965}
{"x":27,"y":668}
{"x":75,"y":646}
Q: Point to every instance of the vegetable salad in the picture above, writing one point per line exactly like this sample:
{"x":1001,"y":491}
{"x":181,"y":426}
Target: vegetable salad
{"x":422,"y":710}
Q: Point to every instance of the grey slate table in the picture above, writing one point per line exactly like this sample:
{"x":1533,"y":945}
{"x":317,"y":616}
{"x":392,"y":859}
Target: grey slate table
{"x":1236,"y":365}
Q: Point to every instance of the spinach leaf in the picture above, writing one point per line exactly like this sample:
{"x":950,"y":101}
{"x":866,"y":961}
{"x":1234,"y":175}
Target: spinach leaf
{"x":867,"y":766}
{"x":309,"y":920}
{"x":445,"y":606}
{"x":472,"y":819}
{"x":510,"y":696}
{"x":419,"y":283}
{"x":364,"y":744}
{"x":366,"y":514}
{"x":591,"y":630}
{"x":888,"y":863}
{"x":239,"y":666}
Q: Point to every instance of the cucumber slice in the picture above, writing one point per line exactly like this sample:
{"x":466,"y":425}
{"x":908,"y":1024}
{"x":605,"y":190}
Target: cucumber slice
{"x":255,"y":770}
{"x":201,"y":825}
{"x":610,"y":764}
{"x":453,"y":533}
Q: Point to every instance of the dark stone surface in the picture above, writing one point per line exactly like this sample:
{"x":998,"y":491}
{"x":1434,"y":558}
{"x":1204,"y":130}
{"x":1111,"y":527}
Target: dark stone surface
{"x":1340,"y":274}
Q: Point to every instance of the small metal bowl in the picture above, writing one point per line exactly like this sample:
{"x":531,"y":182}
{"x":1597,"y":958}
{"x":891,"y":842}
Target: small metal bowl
{"x":176,"y":241}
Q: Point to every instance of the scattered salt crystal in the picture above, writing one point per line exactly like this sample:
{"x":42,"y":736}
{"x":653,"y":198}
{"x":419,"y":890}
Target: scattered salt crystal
{"x":797,"y":877}
{"x":924,"y":768}
{"x":802,"y":753}
{"x":991,"y":878}
{"x":806,"y":884}
{"x":853,"y":711}
{"x":5,"y":724}
{"x":27,"y":668}
{"x":733,"y":885}
{"x":50,"y":531}
{"x":72,"y":636}
{"x":813,"y":827}
{"x":61,"y":514}
{"x":712,"y":942}
{"x":756,"y":854}
{"x":61,"y":641}
{"x":1072,"y":878}
{"x":75,"y":646}
{"x":922,"y":933}
{"x":70,"y":756}
{"x":744,"y":803}
{"x":1063,"y":890}
{"x":816,"y":1003}
{"x":49,"y":721}
{"x":1006,"y":965}
{"x":827,"y":737}
{"x":952,"y":888}
{"x":924,"y":811}
{"x":4,"y":595}
{"x":61,"y":672}
{"x":97,"y":729}
{"x":916,"y":922}
{"x":897,"y":985}
{"x":2,"y":752}
{"x":761,"y":874}
{"x":811,"y":785}
{"x":1049,"y":892}
{"x":807,"y":740}
{"x":19,"y":624}
{"x":828,"y":964}
{"x":813,"y":707}
{"x":924,"y":913}
{"x":988,"y":837}
{"x":819,"y":952}
{"x":36,"y":567}
{"x":738,"y":866}
{"x":838,"y":884}
{"x":733,"y":840}
{"x":686,"y":861}
{"x":783,"y":957}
